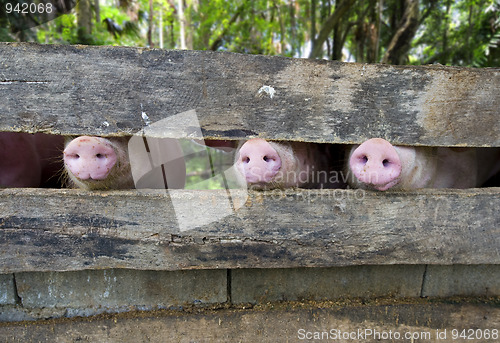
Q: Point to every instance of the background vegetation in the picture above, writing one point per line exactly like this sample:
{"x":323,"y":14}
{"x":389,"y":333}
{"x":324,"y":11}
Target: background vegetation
{"x":463,"y":32}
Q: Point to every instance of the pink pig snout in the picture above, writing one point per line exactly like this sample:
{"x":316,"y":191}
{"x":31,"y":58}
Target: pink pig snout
{"x":90,"y":157}
{"x":258,"y":161}
{"x":376,"y":163}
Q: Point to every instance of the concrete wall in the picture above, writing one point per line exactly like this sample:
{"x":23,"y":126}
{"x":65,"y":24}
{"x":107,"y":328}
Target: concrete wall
{"x":30,"y":296}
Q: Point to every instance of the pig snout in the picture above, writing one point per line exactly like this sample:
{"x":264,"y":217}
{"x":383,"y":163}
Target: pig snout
{"x":89,"y":158}
{"x":258,"y":161}
{"x":376,"y":163}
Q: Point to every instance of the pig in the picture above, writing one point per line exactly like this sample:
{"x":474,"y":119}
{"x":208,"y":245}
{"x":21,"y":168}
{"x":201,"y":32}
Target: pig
{"x":98,"y":163}
{"x":29,"y":160}
{"x":377,"y":164}
{"x":266,"y":164}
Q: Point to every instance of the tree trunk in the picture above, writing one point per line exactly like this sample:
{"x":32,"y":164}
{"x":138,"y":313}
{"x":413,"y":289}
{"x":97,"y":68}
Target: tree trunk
{"x":182,"y":23}
{"x":328,"y":26}
{"x":150,"y":24}
{"x":281,"y":21}
{"x":188,"y":31}
{"x":293,"y":30}
{"x":84,"y":22}
{"x":380,"y":5}
{"x":444,"y":59}
{"x":97,"y":12}
{"x":313,"y":18}
{"x":372,"y":31}
{"x":160,"y":38}
{"x":469,"y":35}
{"x":337,"y":42}
{"x":401,"y":41}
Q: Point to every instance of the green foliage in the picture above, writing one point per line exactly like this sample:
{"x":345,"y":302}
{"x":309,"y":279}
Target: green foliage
{"x":463,"y":32}
{"x":205,"y":166}
{"x":61,"y":30}
{"x":460,"y":33}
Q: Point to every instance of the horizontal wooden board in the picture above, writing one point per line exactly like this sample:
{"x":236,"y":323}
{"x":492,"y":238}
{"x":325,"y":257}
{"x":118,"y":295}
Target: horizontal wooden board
{"x":288,"y":322}
{"x":118,"y":90}
{"x":62,"y":230}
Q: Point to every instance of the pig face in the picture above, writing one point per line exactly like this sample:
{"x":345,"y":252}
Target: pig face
{"x":95,"y":163}
{"x":266,"y":164}
{"x":377,"y":164}
{"x":259,"y":162}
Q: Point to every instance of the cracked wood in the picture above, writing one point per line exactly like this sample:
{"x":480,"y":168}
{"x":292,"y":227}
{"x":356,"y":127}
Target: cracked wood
{"x":76,"y":230}
{"x":104,"y":90}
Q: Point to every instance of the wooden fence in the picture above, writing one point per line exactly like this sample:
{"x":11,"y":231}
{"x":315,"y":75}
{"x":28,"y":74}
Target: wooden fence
{"x":341,"y":244}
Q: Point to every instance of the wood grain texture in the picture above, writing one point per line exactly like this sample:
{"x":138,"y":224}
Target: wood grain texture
{"x":62,"y":230}
{"x":288,"y":322}
{"x":104,"y":90}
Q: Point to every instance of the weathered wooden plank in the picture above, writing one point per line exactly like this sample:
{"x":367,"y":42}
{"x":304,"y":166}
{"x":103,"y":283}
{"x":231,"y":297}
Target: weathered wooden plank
{"x":288,"y":322}
{"x":62,"y":230}
{"x":104,"y":90}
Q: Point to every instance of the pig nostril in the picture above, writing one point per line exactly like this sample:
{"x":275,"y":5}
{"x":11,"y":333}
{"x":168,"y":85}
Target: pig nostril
{"x":99,"y":156}
{"x":386,"y":163}
{"x":364,"y":159}
{"x":246,"y":159}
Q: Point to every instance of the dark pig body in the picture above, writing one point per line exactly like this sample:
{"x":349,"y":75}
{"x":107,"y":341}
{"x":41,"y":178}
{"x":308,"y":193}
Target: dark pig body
{"x":29,"y":160}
